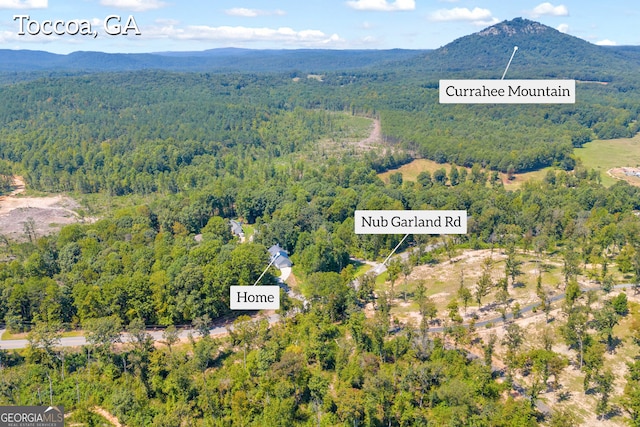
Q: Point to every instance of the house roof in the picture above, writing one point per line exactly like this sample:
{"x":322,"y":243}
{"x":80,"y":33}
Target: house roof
{"x":280,"y":257}
{"x":282,"y":262}
{"x":236,"y":228}
{"x":276,"y":249}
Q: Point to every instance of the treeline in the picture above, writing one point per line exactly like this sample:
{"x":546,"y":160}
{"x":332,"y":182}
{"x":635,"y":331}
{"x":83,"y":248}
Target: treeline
{"x":6,"y":177}
{"x":501,"y":137}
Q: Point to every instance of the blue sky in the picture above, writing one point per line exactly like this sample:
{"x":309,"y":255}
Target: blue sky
{"x":335,"y":24}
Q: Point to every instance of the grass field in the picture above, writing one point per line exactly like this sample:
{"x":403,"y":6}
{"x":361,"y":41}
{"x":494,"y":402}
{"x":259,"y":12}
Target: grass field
{"x":410,"y":172}
{"x":603,"y":155}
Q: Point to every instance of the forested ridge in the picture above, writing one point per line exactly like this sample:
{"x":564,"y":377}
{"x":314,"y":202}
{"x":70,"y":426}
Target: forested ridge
{"x":140,"y":133}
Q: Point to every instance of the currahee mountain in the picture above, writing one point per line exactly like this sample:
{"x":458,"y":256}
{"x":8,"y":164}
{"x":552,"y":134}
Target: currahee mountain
{"x":543,"y":52}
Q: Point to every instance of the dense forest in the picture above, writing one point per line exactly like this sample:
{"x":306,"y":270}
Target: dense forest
{"x":118,"y":132}
{"x":162,"y":161}
{"x":144,"y":263}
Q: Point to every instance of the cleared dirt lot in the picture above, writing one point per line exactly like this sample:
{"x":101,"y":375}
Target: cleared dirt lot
{"x":49,"y":213}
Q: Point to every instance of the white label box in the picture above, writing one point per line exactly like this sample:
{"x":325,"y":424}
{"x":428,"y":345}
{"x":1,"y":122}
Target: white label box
{"x":507,"y":91}
{"x":410,"y":222}
{"x":254,"y":297}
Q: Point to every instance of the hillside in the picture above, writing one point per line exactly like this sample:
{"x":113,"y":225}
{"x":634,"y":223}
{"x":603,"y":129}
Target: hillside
{"x":543,"y":52}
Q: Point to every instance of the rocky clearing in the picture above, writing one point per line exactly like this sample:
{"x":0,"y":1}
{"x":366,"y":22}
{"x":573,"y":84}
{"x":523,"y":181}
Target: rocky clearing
{"x":442,"y":281}
{"x":49,"y":213}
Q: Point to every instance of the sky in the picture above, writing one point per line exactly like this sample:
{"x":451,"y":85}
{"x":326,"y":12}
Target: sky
{"x":168,"y":25}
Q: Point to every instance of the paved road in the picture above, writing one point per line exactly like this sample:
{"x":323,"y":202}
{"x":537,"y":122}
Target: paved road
{"x":378,"y":269}
{"x":156,"y":335}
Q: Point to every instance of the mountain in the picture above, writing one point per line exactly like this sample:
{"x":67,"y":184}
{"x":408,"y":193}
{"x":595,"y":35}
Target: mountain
{"x":213,"y":60}
{"x":543,"y":52}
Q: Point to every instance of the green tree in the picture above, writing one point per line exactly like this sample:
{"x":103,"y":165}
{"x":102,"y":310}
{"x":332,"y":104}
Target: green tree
{"x":631,"y":396}
{"x":465,"y":296}
{"x":424,"y":179}
{"x":512,"y":265}
{"x":43,"y":339}
{"x":575,"y":332}
{"x":484,"y":283}
{"x":102,"y":333}
{"x":244,"y":333}
{"x":605,"y":319}
{"x":440,"y":176}
{"x":604,"y":387}
{"x":170,"y":336}
{"x":454,"y":175}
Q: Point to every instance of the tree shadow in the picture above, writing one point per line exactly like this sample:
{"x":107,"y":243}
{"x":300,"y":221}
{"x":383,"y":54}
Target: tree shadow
{"x":614,"y":411}
{"x":545,"y":267}
{"x":220,"y":358}
{"x":615,"y":343}
{"x":564,"y":396}
{"x":476,"y":341}
{"x":488,"y":307}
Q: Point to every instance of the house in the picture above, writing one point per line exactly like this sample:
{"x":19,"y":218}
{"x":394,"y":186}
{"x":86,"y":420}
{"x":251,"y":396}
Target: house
{"x":279,"y":257}
{"x":236,"y":229}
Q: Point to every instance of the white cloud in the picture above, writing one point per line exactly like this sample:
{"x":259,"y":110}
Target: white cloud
{"x":134,"y":5}
{"x":486,"y":22}
{"x":167,"y":21}
{"x":240,"y":34}
{"x":547,"y":9}
{"x":10,"y":36}
{"x":463,"y":14}
{"x":252,"y":13}
{"x":563,"y":28}
{"x":382,"y":5}
{"x":24,"y":4}
{"x":17,"y":41}
{"x":606,"y":42}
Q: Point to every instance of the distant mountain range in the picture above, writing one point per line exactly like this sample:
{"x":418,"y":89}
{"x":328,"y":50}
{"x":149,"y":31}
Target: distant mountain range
{"x":213,"y":60}
{"x":543,"y":52}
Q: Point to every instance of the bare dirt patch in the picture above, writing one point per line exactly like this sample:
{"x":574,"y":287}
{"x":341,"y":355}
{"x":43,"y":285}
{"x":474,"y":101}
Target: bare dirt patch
{"x":410,"y":172}
{"x":49,"y":213}
{"x":373,"y":140}
{"x":106,"y":415}
{"x":375,"y":137}
{"x":628,"y":174}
